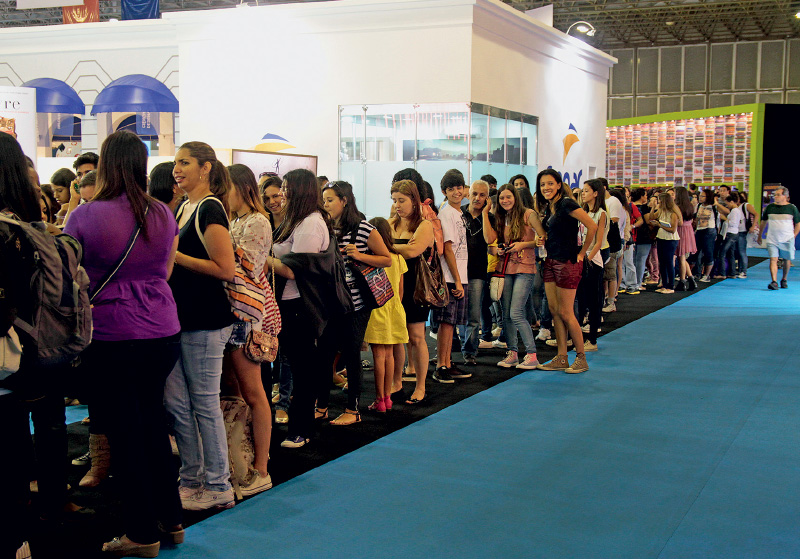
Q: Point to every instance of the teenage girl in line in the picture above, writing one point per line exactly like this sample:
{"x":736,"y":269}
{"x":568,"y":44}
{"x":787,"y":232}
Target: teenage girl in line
{"x":386,"y":331}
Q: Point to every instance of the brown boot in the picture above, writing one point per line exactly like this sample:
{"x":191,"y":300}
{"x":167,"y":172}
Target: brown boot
{"x":579,"y":365}
{"x":100,"y":453}
{"x":557,"y":363}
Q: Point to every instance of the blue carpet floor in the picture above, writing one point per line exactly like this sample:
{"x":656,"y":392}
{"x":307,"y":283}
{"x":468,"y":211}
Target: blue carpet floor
{"x":680,"y":442}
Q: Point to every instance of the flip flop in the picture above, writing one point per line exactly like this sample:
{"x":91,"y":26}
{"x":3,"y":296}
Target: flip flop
{"x":414,"y":401}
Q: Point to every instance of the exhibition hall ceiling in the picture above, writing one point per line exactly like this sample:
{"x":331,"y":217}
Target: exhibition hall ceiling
{"x":627,"y":23}
{"x":619,"y":23}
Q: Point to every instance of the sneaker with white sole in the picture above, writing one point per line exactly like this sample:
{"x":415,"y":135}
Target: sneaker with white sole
{"x":544,"y":334}
{"x":510,"y":360}
{"x":496,"y":332}
{"x":530,"y":362}
{"x":554,"y":343}
{"x":611,"y":307}
{"x":82,"y":460}
{"x":295,"y":442}
{"x":485,"y":344}
{"x":579,"y":365}
{"x":188,"y":492}
{"x":589,"y":346}
{"x":258,"y":483}
{"x":208,"y":499}
{"x":585,"y":329}
{"x":497,"y":344}
{"x":705,"y":279}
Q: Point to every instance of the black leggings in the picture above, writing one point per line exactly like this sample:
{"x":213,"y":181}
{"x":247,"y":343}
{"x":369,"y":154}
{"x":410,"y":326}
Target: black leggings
{"x":343,"y":334}
{"x":590,"y":297}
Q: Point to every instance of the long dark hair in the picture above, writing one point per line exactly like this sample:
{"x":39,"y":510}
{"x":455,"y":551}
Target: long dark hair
{"x":351,"y":217}
{"x":525,"y":196}
{"x":162,"y":182}
{"x":541,"y":201}
{"x":684,"y":203}
{"x":303,"y":198}
{"x":385,"y":231}
{"x":218,"y":178}
{"x":244,"y":181}
{"x":600,"y":202}
{"x":513,"y":179}
{"x":515,"y":218}
{"x":123,"y":170}
{"x":16,"y":189}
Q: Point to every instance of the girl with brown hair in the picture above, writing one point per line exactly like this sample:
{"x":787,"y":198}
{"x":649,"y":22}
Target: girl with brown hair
{"x":413,"y":239}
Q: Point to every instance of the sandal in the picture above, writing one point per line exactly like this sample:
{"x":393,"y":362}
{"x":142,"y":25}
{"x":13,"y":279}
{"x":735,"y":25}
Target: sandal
{"x":343,"y":420}
{"x":378,"y":405}
{"x":414,"y":401}
{"x":320,"y":413}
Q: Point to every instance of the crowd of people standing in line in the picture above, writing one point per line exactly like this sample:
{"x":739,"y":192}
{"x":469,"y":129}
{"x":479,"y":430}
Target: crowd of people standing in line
{"x":166,"y":323}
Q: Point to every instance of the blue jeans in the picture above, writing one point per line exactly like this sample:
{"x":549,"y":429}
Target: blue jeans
{"x":486,"y":314}
{"x":516,"y":291}
{"x":666,"y":261}
{"x":704,"y":238}
{"x":640,"y":253}
{"x":628,"y":280}
{"x":192,"y":398}
{"x":730,"y":249}
{"x":469,"y":333}
{"x":545,"y":318}
{"x":281,"y":374}
{"x":742,"y":250}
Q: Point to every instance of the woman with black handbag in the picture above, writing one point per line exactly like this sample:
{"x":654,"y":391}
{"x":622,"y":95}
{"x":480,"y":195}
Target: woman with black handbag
{"x":361,"y":245}
{"x":136,"y":327}
{"x":251,"y":231}
{"x":304,"y":233}
{"x":413,"y":239}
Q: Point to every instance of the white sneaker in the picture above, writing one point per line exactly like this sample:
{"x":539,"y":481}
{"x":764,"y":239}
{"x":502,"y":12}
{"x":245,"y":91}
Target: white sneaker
{"x":497,"y":331}
{"x":611,"y":307}
{"x":554,"y":343}
{"x":483,"y":344}
{"x":544,"y":334}
{"x":510,"y":360}
{"x":497,"y":344}
{"x":433,"y":335}
{"x":705,"y":279}
{"x":589,"y":346}
{"x":743,"y":275}
{"x":258,"y":483}
{"x":585,"y":329}
{"x":207,"y":499}
{"x":188,"y":492}
{"x":530,"y":362}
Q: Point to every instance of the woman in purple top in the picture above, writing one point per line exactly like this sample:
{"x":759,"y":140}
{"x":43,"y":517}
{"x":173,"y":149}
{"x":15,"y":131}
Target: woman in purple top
{"x":135,"y":342}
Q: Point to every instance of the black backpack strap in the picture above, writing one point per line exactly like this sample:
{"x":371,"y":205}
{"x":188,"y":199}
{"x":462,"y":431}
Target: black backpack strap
{"x":112,"y":272}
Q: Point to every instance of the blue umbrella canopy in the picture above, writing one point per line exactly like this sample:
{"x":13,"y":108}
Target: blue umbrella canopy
{"x":55,"y":96}
{"x":135,"y":93}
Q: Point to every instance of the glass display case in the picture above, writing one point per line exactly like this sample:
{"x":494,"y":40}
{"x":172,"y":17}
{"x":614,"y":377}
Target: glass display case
{"x":376,"y":141}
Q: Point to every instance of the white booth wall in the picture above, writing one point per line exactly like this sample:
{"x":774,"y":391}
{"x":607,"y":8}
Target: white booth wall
{"x":240,"y":73}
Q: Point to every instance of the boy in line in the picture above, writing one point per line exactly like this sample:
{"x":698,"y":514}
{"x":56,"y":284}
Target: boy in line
{"x":454,"y":268}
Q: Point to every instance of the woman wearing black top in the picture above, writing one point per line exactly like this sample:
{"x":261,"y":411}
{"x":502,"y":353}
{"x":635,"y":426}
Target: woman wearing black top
{"x":564,"y":264}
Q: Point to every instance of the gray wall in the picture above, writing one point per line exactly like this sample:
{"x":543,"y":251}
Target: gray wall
{"x":655,"y":80}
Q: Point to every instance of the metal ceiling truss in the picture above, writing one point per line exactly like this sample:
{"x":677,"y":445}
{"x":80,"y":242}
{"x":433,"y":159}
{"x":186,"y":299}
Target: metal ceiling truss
{"x":619,"y":23}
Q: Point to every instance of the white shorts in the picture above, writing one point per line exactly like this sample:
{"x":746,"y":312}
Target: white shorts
{"x":781,"y":250}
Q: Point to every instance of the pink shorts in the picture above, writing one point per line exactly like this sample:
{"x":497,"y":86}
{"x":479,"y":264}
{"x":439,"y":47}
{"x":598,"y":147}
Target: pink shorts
{"x":566,"y":275}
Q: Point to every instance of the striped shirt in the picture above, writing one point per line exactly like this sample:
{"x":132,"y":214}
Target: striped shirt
{"x":361,"y":236}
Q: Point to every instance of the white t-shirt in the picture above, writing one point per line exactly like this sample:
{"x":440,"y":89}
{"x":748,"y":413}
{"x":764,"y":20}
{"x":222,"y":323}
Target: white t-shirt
{"x":615,"y":210}
{"x":454,"y":230}
{"x":734,"y":220}
{"x":310,"y":235}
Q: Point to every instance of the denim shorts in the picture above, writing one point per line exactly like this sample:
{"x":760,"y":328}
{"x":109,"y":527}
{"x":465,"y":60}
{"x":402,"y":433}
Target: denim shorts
{"x":781,"y":250}
{"x":239,"y":335}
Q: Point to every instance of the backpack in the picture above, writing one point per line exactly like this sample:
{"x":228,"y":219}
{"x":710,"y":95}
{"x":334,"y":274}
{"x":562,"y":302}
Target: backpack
{"x":50,"y":292}
{"x":438,"y":235}
{"x":614,"y":240}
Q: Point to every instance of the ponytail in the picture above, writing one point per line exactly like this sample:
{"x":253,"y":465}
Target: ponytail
{"x":219,"y":179}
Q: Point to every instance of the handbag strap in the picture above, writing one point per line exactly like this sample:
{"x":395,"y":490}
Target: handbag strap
{"x":112,"y":272}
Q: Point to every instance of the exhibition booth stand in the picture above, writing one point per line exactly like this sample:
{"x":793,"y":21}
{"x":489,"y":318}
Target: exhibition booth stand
{"x":367,"y":87}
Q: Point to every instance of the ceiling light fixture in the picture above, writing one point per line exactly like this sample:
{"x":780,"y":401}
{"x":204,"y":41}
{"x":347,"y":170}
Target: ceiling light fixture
{"x":583,"y":27}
